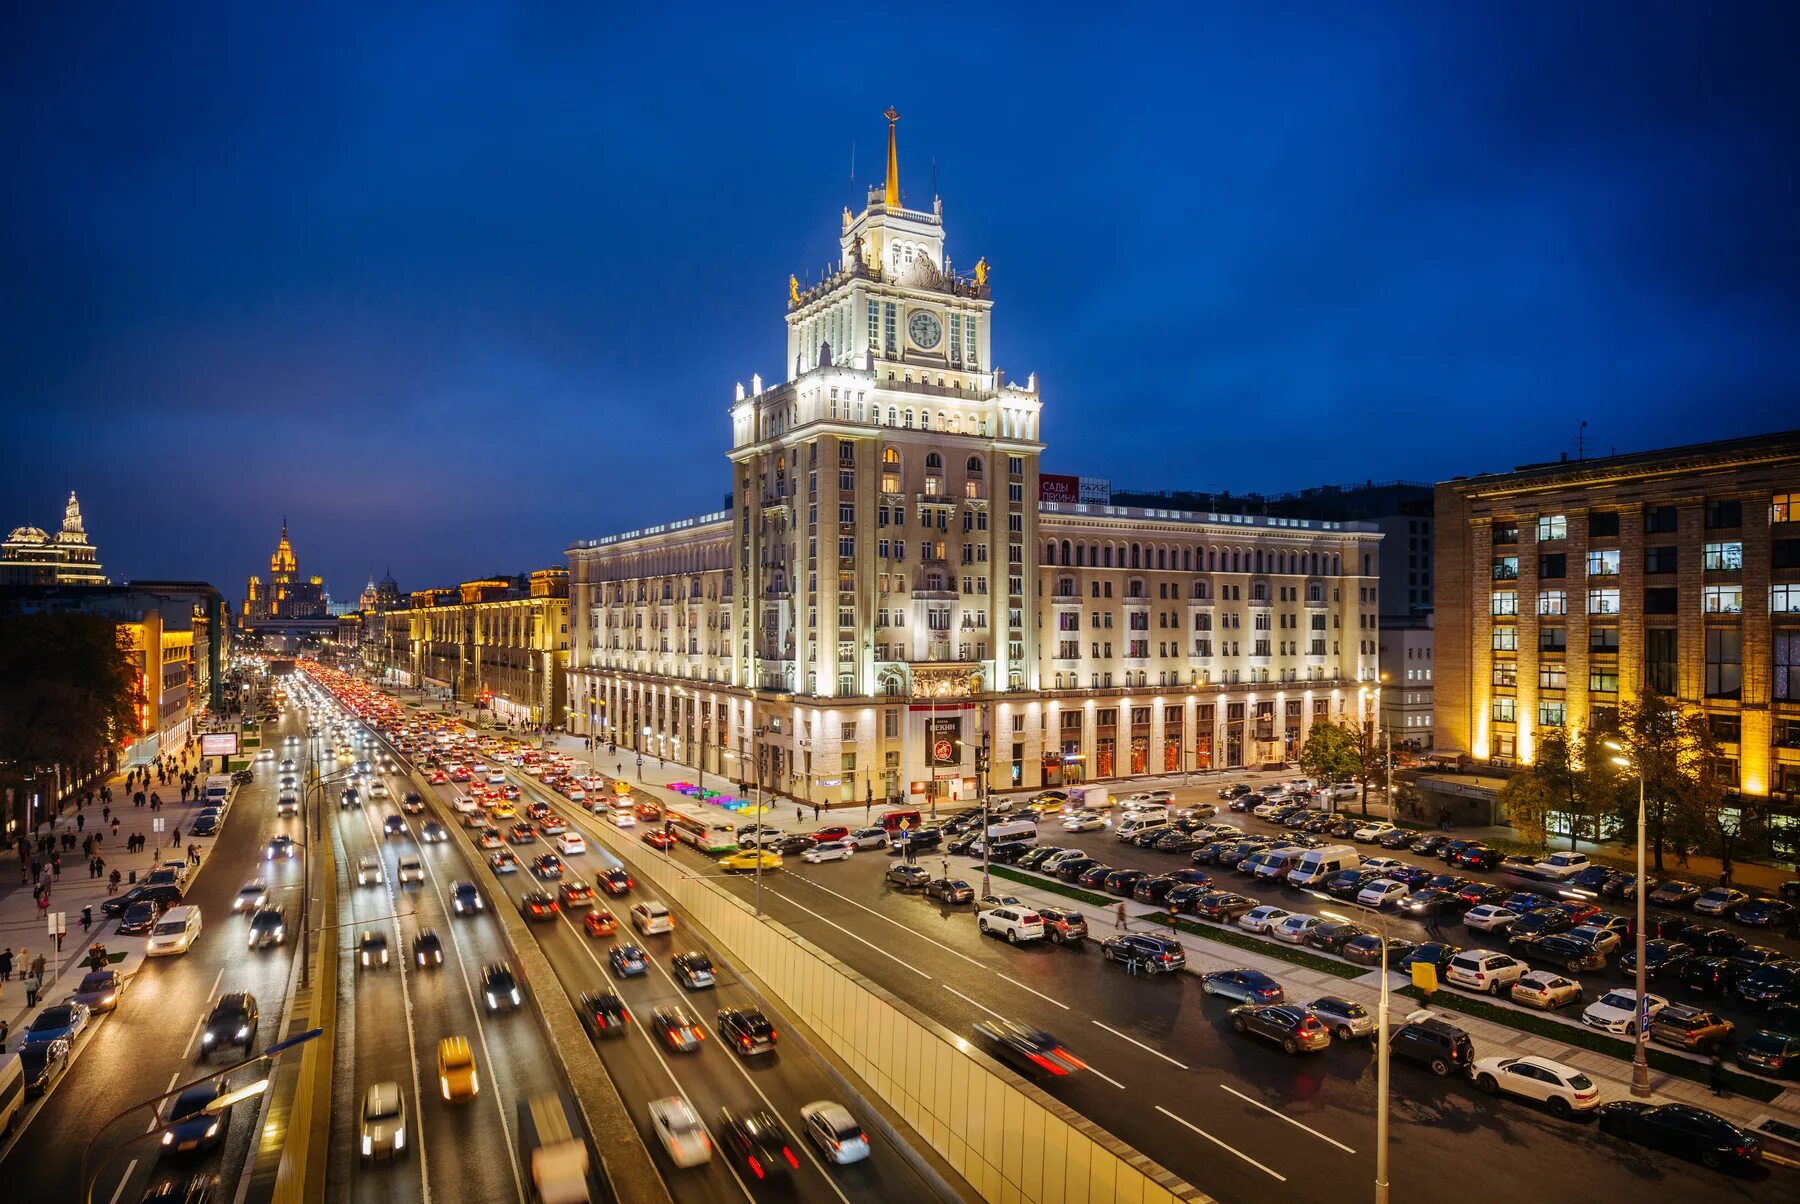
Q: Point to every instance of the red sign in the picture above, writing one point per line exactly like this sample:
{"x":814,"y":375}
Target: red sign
{"x":943,"y":752}
{"x":1055,"y":487}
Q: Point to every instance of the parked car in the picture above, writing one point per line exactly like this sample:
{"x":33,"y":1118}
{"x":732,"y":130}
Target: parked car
{"x":1014,"y":922}
{"x":1691,"y":1028}
{"x":1720,"y":901}
{"x":907,"y":877}
{"x":1262,"y":919}
{"x":1439,"y":1046}
{"x":1295,"y":1029}
{"x":1617,"y":1011}
{"x":1561,"y":1089}
{"x":1770,"y":1052}
{"x":1545,"y":991}
{"x":1365,"y":950}
{"x":1063,"y":926}
{"x":1149,"y":954}
{"x":1332,"y":937}
{"x":1765,"y":913}
{"x":1563,"y":950}
{"x":1684,"y":1130}
{"x":1242,"y":984}
{"x":1344,"y":1018}
{"x":1663,"y":958}
{"x":1675,"y":893}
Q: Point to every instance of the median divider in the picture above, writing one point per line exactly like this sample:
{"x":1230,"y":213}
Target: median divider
{"x":1009,"y":1140}
{"x":288,"y":1164}
{"x":1515,"y":1018}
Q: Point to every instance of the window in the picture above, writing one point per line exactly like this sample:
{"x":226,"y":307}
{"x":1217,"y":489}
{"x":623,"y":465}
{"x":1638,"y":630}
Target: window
{"x":1603,"y":639}
{"x":1506,"y":568}
{"x":1660,"y":601}
{"x":1603,"y":563}
{"x":1553,"y":677}
{"x":1784,"y":554}
{"x":1659,"y":520}
{"x":1784,"y":508}
{"x":1723,"y":557}
{"x":1725,"y":728}
{"x":1603,"y":601}
{"x":1552,"y":714}
{"x":1784,"y":599}
{"x":1722,"y":515}
{"x":1506,"y":638}
{"x":1659,"y":560}
{"x":1505,"y":602}
{"x":1787,"y":667}
{"x":1659,"y":659}
{"x":1603,"y":681}
{"x":1722,"y":600}
{"x":1506,"y":532}
{"x":1724,"y":662}
{"x":1552,"y":526}
{"x":1506,"y":673}
{"x":1553,"y":639}
{"x":1604,"y":524}
{"x":890,"y":327}
{"x":1505,"y":709}
{"x":1553,"y":602}
{"x":1553,"y":567}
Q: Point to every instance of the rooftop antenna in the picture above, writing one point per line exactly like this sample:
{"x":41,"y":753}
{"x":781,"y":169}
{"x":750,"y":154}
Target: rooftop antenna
{"x":934,"y":187}
{"x":1581,"y":441}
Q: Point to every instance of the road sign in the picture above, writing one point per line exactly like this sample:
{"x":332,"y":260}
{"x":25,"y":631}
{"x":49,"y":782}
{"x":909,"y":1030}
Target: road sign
{"x":156,"y":825}
{"x":59,"y":923}
{"x":905,"y":825}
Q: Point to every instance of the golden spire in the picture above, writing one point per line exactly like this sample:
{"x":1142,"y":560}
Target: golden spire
{"x":892,"y":199}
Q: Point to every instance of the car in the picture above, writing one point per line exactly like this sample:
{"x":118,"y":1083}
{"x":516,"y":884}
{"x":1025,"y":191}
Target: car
{"x":1765,"y":913}
{"x":1095,"y":875}
{"x":1262,"y":919}
{"x":1617,"y":1011}
{"x":1294,"y":928}
{"x":1675,"y":893}
{"x":907,"y":877}
{"x":694,"y":970}
{"x":1435,"y":1044}
{"x":205,"y":824}
{"x":1431,"y":953}
{"x":368,"y":870}
{"x":604,"y":1013}
{"x":677,"y":1028}
{"x":1381,"y":893}
{"x":1331,"y":937}
{"x":1296,"y":1029}
{"x":1085,"y":821}
{"x":1776,"y":982}
{"x":829,"y":850}
{"x":552,"y":824}
{"x":834,"y":1131}
{"x":410,"y":870}
{"x":281,"y":847}
{"x":1063,"y":926}
{"x":747,"y":1031}
{"x":1691,"y":1028}
{"x":188,"y":1127}
{"x":500,"y":988}
{"x":1563,"y":1090}
{"x":372,"y":949}
{"x":658,"y":838}
{"x":427,"y":949}
{"x":99,"y":991}
{"x":746,"y":861}
{"x":1242,"y":984}
{"x":1768,"y":1051}
{"x":268,"y":927}
{"x":1488,"y":894}
{"x":58,"y":1022}
{"x":465,"y":899}
{"x":537,"y":906}
{"x":547,"y":866}
{"x":1720,"y":901}
{"x":1684,"y":1130}
{"x":628,"y":961}
{"x":411,"y":803}
{"x":1224,"y":906}
{"x":41,"y":1064}
{"x":1546,"y":921}
{"x":678,"y":1128}
{"x":381,"y":1126}
{"x":252,"y":895}
{"x":758,"y":1142}
{"x":599,"y":922}
{"x":521,"y":833}
{"x":393,"y":825}
{"x":1372,"y":830}
{"x":1663,"y":958}
{"x":1015,"y":922}
{"x":869,"y":838}
{"x":1545,"y":990}
{"x":950,"y":890}
{"x":615,"y":881}
{"x":432,"y":832}
{"x":1602,"y":940}
{"x":231,"y":1024}
{"x":1145,"y":953}
{"x":457,"y":1078}
{"x":1033,"y":1051}
{"x":504,"y":861}
{"x":1484,"y":970}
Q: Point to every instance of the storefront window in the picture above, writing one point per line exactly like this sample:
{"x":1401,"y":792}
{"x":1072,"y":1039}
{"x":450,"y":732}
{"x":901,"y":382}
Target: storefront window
{"x":1104,"y":761}
{"x":1140,"y":755}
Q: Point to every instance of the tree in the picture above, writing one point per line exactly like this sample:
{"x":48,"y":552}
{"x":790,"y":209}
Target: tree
{"x":1673,"y":752}
{"x":70,"y":693}
{"x":1331,"y":752}
{"x":1576,"y":768}
{"x":1528,"y":799}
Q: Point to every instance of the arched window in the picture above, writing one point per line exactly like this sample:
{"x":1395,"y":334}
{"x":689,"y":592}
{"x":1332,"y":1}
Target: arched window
{"x":1081,"y":554}
{"x":1108,"y":554}
{"x":1187,"y":560}
{"x":933,"y":462}
{"x":906,"y":417}
{"x":1065,"y":551}
{"x":974,"y":466}
{"x":892,"y":420}
{"x":955,"y":427}
{"x":924,"y":420}
{"x":1162,"y":558}
{"x":891,"y":456}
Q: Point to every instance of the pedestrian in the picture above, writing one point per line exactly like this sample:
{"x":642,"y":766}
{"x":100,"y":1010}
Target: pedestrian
{"x":799,"y":815}
{"x":87,"y":919}
{"x":6,"y":960}
{"x":193,"y":854}
{"x":113,"y":880}
{"x":115,"y":825}
{"x":99,"y":865}
{"x":1119,"y":922}
{"x":37,"y":966}
{"x":80,"y":822}
{"x":155,"y":801}
{"x":56,"y":866}
{"x":177,"y":841}
{"x":32,"y":983}
{"x":1716,"y":1073}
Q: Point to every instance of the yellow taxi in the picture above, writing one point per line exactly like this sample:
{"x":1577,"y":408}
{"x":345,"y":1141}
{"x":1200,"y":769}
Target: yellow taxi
{"x":503,"y":810}
{"x":744,"y":861}
{"x":456,"y":1070}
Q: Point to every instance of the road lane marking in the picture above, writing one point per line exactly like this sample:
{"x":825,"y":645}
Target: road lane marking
{"x":853,"y":936}
{"x":126,"y":1178}
{"x":1228,"y":1149}
{"x":1284,"y":1116}
{"x":1147,"y":1049}
{"x":977,"y":962}
{"x":1107,"y":1077}
{"x":984,"y":1007}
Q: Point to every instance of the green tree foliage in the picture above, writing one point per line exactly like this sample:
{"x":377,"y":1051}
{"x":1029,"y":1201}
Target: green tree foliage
{"x":69,"y":693}
{"x":1529,"y":798}
{"x":1332,"y":752}
{"x":1576,"y":769}
{"x":1671,"y":745}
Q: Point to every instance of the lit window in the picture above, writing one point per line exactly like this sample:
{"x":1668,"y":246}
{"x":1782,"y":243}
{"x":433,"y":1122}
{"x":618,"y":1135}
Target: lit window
{"x":1722,"y":600}
{"x":1603,"y":601}
{"x":1724,"y":557}
{"x":1603,"y":563}
{"x":1553,"y":602}
{"x":1505,"y":602}
{"x":1552,"y":526}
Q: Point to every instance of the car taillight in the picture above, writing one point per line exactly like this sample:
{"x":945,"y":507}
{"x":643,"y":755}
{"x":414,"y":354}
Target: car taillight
{"x":1070,"y":1058}
{"x":1047,"y":1064}
{"x":756,"y":1167}
{"x":789,"y":1155}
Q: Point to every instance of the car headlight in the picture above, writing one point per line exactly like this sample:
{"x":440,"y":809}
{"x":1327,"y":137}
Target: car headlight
{"x":399,"y":1139}
{"x":444,"y":1085}
{"x":212,"y":1130}
{"x":243,"y":1031}
{"x":110,"y":997}
{"x":491,"y":1001}
{"x":515,"y":995}
{"x":169,"y":1138}
{"x":206,"y":1039}
{"x":368,"y":1145}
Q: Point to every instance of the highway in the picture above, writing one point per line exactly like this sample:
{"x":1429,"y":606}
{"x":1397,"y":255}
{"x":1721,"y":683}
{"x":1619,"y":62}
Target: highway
{"x":151,"y":1042}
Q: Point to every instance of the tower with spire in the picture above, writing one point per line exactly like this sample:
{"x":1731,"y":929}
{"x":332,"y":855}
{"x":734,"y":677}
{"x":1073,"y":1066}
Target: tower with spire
{"x":33,"y":556}
{"x":287,"y":595}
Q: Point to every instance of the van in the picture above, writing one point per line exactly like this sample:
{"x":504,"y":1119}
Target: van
{"x":1131,"y":825}
{"x":1316,"y":865}
{"x":217,"y":790}
{"x":1156,"y":811}
{"x":893,"y":821}
{"x":1276,"y":864}
{"x":174,"y":932}
{"x":1014,"y":830}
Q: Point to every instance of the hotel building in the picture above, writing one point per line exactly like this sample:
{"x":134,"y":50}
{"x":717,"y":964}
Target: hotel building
{"x":889,"y":592}
{"x":1562,"y":588}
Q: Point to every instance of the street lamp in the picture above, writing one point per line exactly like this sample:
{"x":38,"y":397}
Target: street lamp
{"x":1640,"y":1061}
{"x":1381,"y":1053}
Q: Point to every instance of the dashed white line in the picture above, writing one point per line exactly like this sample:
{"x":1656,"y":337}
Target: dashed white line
{"x":848,"y":933}
{"x":1107,"y":1077}
{"x":1284,"y":1116}
{"x":1147,"y":1049}
{"x":984,"y":1007}
{"x":1187,"y":1124}
{"x":120,"y":1189}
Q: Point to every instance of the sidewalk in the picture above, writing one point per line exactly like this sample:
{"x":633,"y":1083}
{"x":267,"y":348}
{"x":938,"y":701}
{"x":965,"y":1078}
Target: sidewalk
{"x":24,"y":928}
{"x":1491,"y":1039}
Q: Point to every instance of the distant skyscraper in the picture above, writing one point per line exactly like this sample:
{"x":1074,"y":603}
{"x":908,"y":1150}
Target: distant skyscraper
{"x":32,"y":556}
{"x":287,"y":595}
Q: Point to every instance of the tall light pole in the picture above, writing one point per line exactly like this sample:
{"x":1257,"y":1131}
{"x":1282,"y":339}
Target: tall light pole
{"x":1381,"y":1055}
{"x":1640,"y":1062}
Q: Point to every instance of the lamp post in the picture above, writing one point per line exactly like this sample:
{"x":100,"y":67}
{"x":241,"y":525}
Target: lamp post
{"x":1640,"y":1062}
{"x":1381,"y":1055}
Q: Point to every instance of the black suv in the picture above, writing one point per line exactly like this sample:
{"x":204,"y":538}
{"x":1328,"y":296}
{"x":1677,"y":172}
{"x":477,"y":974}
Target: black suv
{"x":1148,"y":954}
{"x":1433,"y":1044}
{"x":231,"y":1024}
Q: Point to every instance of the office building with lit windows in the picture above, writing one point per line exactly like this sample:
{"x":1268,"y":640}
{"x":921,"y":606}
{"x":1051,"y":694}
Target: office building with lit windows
{"x":892,"y":584}
{"x":1564,"y":587}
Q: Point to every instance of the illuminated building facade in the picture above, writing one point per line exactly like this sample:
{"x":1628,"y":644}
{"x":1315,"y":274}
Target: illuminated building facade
{"x":32,"y":556}
{"x":1562,"y":588}
{"x":890,"y":584}
{"x":287,"y":595}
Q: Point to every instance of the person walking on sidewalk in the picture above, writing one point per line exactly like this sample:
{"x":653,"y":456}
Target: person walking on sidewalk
{"x":1715,"y":1073}
{"x":1119,"y":921}
{"x":115,"y":825}
{"x":37,"y":967}
{"x":6,"y":961}
{"x":193,"y":854}
{"x":32,"y":984}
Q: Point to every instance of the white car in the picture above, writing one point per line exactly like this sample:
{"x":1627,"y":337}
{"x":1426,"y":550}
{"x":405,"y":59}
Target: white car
{"x":829,"y":850}
{"x":679,"y":1129}
{"x":1489,"y":917}
{"x":1085,"y":821}
{"x":839,"y":1138}
{"x":1617,"y":1011}
{"x":411,"y":870}
{"x":1381,"y":892}
{"x":1265,"y":810}
{"x":570,"y":844}
{"x":465,"y":804}
{"x":1562,"y":1089}
{"x":1014,"y":923}
{"x":497,"y":777}
{"x":1294,"y":928}
{"x":1485,"y":970}
{"x":1261,"y":919}
{"x":622,"y":818}
{"x":1373,"y":830}
{"x":1604,"y":940}
{"x":267,"y":754}
{"x":1382,"y":864}
{"x":378,"y":789}
{"x":251,"y":896}
{"x":368,"y":871}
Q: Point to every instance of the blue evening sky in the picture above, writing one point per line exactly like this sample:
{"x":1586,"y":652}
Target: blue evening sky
{"x":454,"y":284}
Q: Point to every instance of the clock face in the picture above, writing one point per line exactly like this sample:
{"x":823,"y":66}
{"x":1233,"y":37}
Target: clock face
{"x":924,"y":328}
